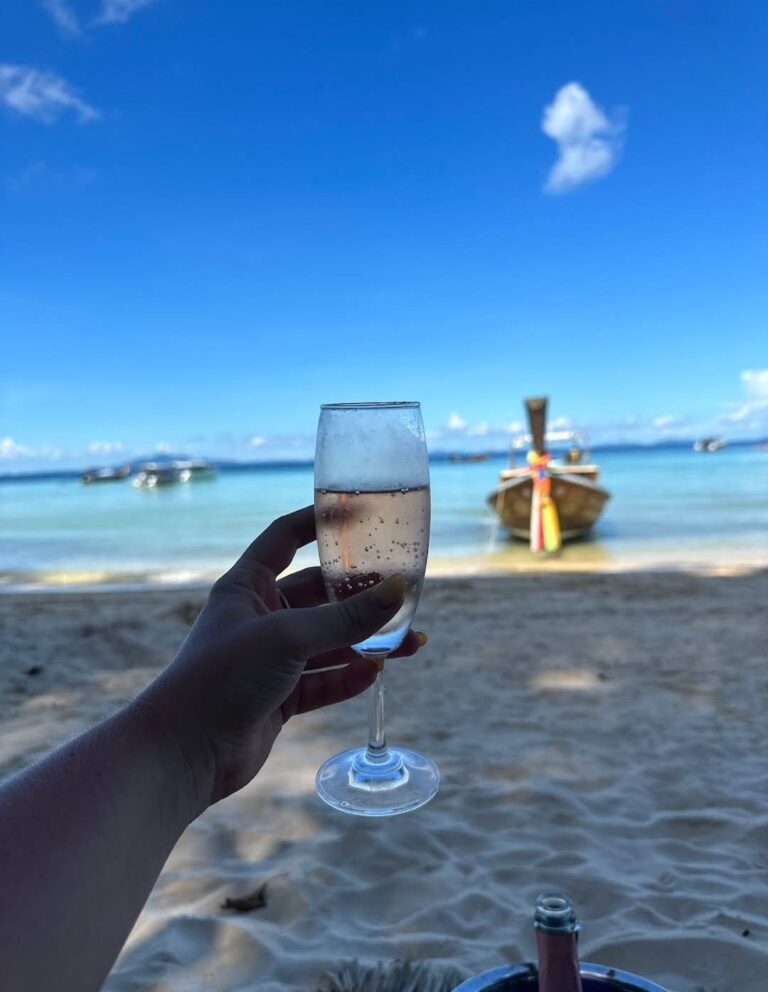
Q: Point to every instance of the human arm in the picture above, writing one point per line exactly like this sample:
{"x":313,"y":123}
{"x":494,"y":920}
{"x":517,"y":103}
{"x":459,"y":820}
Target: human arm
{"x":85,"y":832}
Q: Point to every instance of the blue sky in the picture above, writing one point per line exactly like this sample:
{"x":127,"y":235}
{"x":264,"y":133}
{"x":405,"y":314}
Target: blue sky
{"x":214,"y":217}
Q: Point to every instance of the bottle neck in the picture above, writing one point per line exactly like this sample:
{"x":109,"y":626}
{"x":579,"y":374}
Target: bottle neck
{"x":558,"y":962}
{"x":557,"y":935}
{"x":555,"y":914}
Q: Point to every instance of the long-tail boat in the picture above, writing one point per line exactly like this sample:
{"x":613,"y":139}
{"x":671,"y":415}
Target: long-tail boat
{"x":547,"y":502}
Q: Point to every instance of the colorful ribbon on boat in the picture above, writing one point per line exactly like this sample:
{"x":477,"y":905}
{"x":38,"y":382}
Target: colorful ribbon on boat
{"x":545,"y":525}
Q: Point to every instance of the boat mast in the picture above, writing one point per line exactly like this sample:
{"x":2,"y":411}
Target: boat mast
{"x":536,"y":408}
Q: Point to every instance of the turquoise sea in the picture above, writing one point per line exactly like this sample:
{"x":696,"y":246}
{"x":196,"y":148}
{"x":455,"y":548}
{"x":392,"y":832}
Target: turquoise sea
{"x":670,"y":507}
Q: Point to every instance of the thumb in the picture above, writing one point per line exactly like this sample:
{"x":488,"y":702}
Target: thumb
{"x":323,"y":628}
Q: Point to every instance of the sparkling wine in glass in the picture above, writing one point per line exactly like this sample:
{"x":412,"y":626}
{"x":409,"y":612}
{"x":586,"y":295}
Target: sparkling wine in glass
{"x":372,"y":510}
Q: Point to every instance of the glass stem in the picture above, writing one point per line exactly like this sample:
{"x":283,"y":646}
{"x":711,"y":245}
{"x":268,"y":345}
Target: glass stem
{"x":377,"y":742}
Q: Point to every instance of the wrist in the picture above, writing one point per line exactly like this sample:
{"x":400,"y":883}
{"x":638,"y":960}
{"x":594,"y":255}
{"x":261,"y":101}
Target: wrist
{"x":182,"y":750}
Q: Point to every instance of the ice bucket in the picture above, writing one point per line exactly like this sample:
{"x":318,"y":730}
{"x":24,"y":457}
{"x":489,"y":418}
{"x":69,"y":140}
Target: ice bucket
{"x":522,"y":978}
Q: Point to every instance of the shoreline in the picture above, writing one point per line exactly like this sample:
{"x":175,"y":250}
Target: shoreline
{"x":519,"y":562}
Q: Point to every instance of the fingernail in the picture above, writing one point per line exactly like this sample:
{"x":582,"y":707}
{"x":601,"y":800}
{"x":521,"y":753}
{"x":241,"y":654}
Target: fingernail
{"x":421,"y":637}
{"x":391,"y":590}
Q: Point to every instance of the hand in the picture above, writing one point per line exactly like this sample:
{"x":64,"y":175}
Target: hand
{"x":256,"y":654}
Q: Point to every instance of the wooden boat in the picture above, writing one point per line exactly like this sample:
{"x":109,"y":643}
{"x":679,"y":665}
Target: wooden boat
{"x":574,"y":488}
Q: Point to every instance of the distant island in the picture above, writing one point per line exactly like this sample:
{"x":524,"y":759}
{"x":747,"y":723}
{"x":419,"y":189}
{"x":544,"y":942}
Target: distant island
{"x":225,"y":465}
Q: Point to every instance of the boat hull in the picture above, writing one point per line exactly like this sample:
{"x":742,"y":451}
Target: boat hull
{"x":96,"y":476}
{"x":579,"y":503}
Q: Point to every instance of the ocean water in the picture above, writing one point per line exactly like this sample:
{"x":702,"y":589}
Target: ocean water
{"x":669,"y":507}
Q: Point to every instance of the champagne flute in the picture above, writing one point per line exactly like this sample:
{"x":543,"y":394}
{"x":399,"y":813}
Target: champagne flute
{"x":372,"y":510}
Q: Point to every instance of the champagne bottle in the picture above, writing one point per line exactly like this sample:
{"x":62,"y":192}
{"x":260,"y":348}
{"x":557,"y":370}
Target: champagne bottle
{"x":557,"y":934}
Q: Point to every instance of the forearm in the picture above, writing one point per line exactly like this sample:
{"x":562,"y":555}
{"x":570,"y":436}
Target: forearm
{"x":83,"y":837}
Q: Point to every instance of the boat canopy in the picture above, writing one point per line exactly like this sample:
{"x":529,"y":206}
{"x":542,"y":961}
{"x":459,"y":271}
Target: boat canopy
{"x":523,"y":441}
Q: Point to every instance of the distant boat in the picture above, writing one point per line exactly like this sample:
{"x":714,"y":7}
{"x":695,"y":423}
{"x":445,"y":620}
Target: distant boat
{"x":477,"y":457}
{"x":92,"y":475}
{"x":194,"y":470}
{"x":578,"y":499}
{"x":169,"y":473}
{"x":709,"y":444}
{"x":155,"y":476}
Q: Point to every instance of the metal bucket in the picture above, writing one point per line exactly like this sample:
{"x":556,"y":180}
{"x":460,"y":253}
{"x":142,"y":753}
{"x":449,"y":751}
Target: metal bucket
{"x":522,"y":978}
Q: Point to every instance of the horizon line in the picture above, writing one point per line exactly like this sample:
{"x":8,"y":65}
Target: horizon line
{"x":439,"y":455}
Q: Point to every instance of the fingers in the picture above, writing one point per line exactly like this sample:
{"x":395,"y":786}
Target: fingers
{"x":412,"y":641}
{"x":324,"y":688}
{"x":320,"y":629}
{"x":276,"y":546}
{"x":304,"y":588}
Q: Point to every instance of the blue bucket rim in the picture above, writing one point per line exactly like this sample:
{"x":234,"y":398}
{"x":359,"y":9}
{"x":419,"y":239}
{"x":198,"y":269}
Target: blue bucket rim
{"x":588,"y":970}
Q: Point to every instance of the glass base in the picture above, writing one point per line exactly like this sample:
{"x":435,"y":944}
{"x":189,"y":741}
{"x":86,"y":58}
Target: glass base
{"x":365,"y":783}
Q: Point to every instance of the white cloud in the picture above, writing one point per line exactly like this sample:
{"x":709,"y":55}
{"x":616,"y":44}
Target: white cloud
{"x":12,"y":449}
{"x":257,"y":440}
{"x":479,"y":430}
{"x":46,"y":453}
{"x":513,"y":427}
{"x":752,"y":411}
{"x":105,"y":447}
{"x":740,"y":414}
{"x":561,"y":435}
{"x":111,"y":12}
{"x":42,"y":95}
{"x":162,"y":447}
{"x":41,"y":175}
{"x":63,"y":16}
{"x":588,"y":142}
{"x":755,"y":382}
{"x":561,"y":424}
{"x":665,"y":422}
{"x":119,"y":11}
{"x":456,"y":423}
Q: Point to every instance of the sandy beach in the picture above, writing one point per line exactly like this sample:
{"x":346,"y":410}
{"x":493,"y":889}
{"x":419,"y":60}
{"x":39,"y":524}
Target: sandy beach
{"x":598,"y":733}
